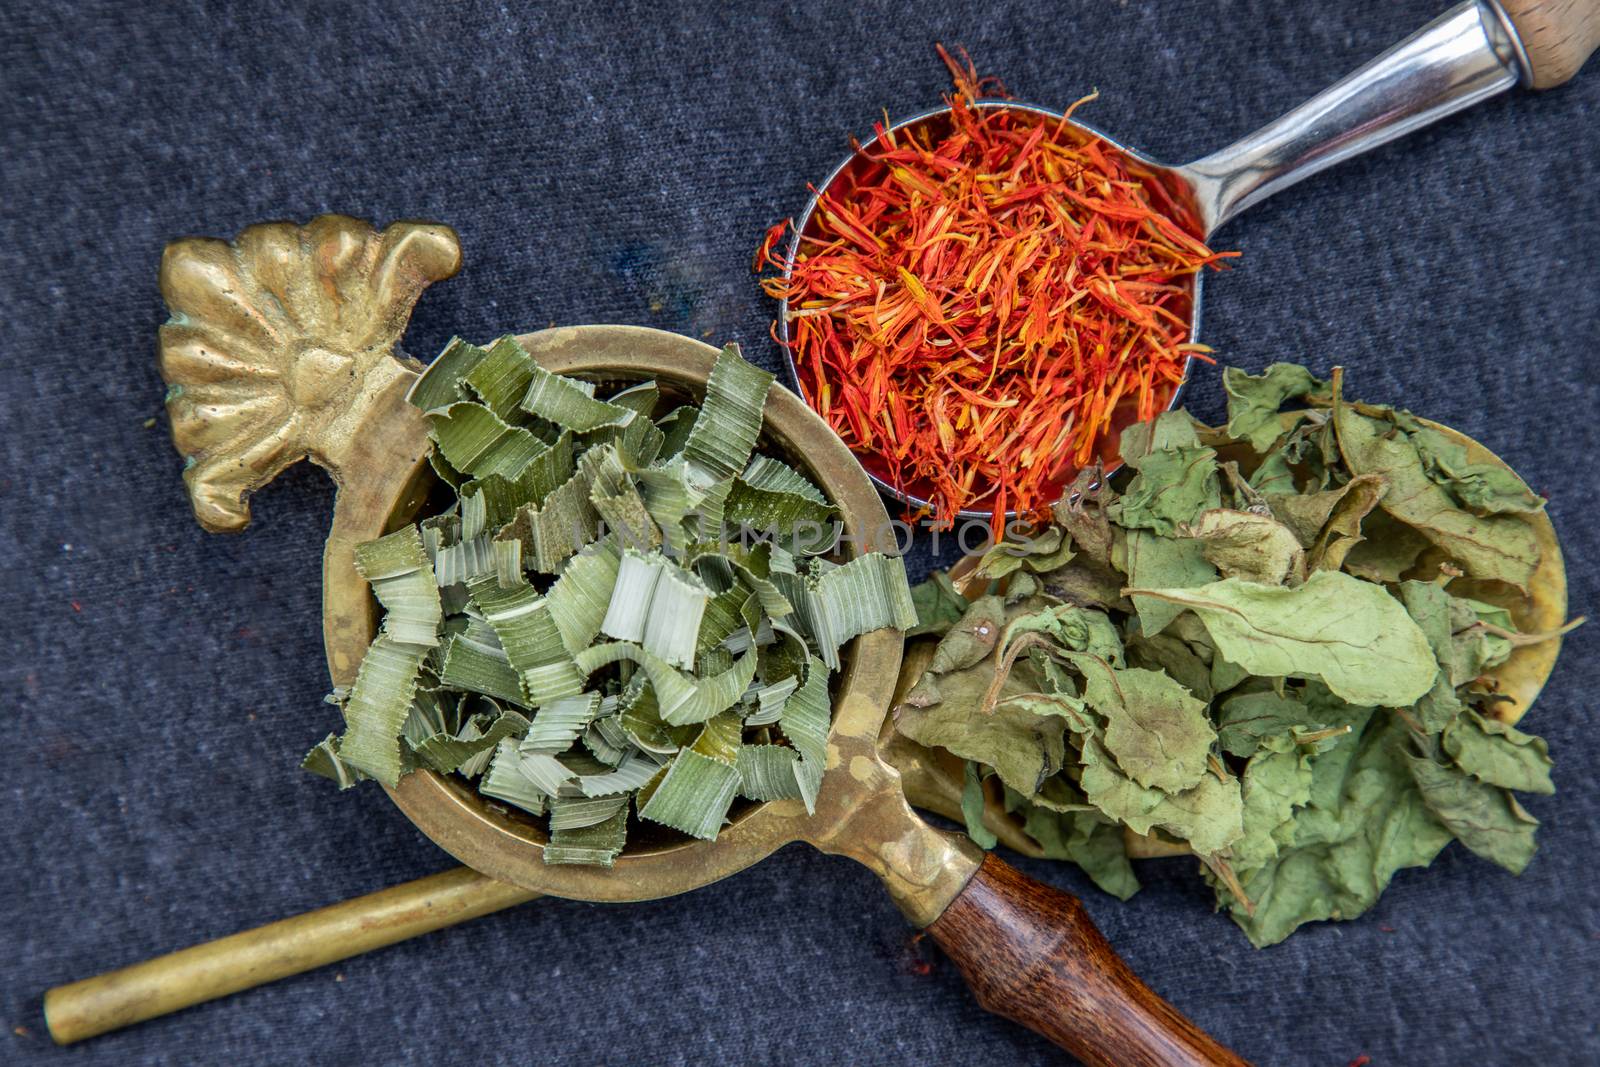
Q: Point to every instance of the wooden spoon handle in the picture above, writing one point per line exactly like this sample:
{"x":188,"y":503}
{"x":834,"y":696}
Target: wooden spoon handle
{"x":1030,"y":953}
{"x":1558,"y":36}
{"x":205,"y":972}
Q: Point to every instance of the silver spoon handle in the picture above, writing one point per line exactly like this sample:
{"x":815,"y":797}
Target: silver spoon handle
{"x":1465,"y":55}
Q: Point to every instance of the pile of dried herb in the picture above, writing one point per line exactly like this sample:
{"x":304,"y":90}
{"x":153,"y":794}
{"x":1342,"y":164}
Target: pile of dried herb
{"x":979,"y":305}
{"x":1272,"y":646}
{"x":589,"y":627}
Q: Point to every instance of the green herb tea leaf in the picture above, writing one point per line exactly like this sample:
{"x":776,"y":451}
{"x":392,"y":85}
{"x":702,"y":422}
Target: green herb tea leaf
{"x":1351,"y":634}
{"x":1498,"y":754}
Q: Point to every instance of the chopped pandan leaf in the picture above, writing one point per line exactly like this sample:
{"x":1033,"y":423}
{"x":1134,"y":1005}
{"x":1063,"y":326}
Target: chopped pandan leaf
{"x":774,"y":476}
{"x":868,"y":593}
{"x":771,"y":496}
{"x":641,"y":720}
{"x":440,"y":385}
{"x":695,"y":795}
{"x":403,"y":581}
{"x":638,"y":442}
{"x":566,"y":402}
{"x":682,"y":699}
{"x":675,"y":427}
{"x":605,"y":737}
{"x":574,"y":813}
{"x":625,"y":516}
{"x":724,"y":435}
{"x":720,"y":738}
{"x":581,"y":596}
{"x":806,"y":714}
{"x":475,"y":662}
{"x":628,"y":777}
{"x":501,"y":497}
{"x":324,"y":760}
{"x":557,"y":725}
{"x":592,"y":846}
{"x":444,"y":753}
{"x":658,"y":605}
{"x":445,"y":473}
{"x":770,"y":701}
{"x":601,"y":748}
{"x":640,"y":399}
{"x":721,"y":618}
{"x":501,"y":377}
{"x":430,"y":715}
{"x":769,"y":772}
{"x":674,"y":500}
{"x":552,"y":531}
{"x":466,"y":559}
{"x":804,"y":721}
{"x":478,"y":442}
{"x":532,"y":642}
{"x":731,"y":566}
{"x":529,"y":782}
{"x":378,"y":705}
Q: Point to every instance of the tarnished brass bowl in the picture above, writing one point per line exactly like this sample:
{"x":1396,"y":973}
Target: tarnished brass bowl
{"x":387,"y":485}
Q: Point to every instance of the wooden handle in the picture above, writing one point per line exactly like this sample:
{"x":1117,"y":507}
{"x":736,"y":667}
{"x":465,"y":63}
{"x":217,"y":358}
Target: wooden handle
{"x":243,"y":961}
{"x":1030,"y":953}
{"x":1558,"y":36}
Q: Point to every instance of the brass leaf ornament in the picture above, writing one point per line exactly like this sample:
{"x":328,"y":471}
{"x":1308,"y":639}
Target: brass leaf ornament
{"x":280,"y":341}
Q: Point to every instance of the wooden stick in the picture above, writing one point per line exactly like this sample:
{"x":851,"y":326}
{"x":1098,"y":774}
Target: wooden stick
{"x":242,"y":961}
{"x":1030,"y":953}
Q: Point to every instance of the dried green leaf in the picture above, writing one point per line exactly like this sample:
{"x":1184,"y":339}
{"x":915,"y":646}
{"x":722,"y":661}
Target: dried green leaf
{"x":938,"y":605}
{"x":1498,"y":547}
{"x":570,"y":403}
{"x":868,"y":593}
{"x":682,"y":698}
{"x":581,"y":598}
{"x":1499,"y":754}
{"x":1242,"y":544}
{"x":1483,"y":488}
{"x":478,"y":442}
{"x":1248,"y":719}
{"x":1158,"y":733}
{"x":768,"y":772}
{"x":522,"y":620}
{"x":1207,"y":816}
{"x":658,"y":605}
{"x":1156,"y":562}
{"x":324,"y":760}
{"x":1351,"y":634}
{"x":1254,"y":400}
{"x":972,"y":808}
{"x":1485,"y":818}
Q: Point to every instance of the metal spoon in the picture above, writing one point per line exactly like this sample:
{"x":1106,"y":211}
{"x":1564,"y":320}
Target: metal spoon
{"x":1475,"y":50}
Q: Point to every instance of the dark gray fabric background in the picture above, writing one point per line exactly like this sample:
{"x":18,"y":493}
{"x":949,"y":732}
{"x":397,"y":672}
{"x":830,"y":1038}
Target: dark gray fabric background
{"x":618,"y":165}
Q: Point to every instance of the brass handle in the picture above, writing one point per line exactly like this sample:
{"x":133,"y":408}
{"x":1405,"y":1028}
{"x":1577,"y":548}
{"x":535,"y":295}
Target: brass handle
{"x":205,"y":972}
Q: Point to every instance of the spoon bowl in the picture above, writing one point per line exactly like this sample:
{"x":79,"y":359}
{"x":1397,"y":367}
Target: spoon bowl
{"x":1470,"y":53}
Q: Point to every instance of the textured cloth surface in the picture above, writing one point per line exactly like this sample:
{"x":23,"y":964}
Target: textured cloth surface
{"x":619,"y":165}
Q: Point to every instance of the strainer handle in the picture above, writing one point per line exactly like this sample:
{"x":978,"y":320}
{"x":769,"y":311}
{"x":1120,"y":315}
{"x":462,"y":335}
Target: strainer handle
{"x":291,"y":946}
{"x":1030,"y":953}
